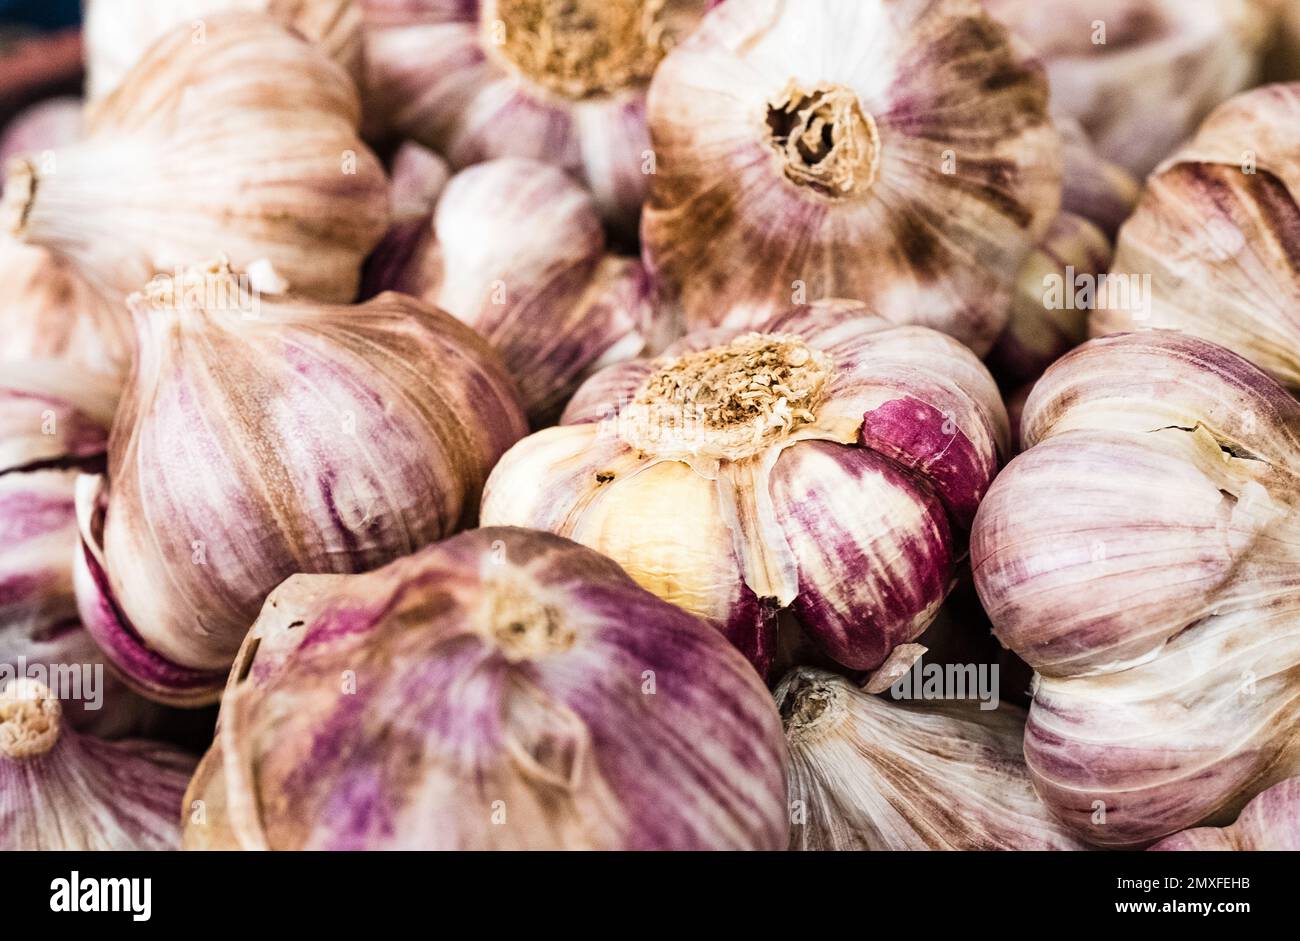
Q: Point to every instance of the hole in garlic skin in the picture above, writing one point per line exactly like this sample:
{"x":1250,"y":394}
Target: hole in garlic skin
{"x":824,"y":139}
{"x":579,"y":48}
{"x":519,"y":622}
{"x":30,"y":717}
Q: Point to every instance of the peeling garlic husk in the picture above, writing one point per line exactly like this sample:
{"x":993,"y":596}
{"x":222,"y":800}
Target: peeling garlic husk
{"x":828,"y":464}
{"x":244,"y":144}
{"x":504,"y":689}
{"x":1270,"y":822}
{"x":117,"y":35}
{"x":1142,"y":556}
{"x":252,"y":444}
{"x":898,"y":155}
{"x":562,"y":81}
{"x":515,"y":249}
{"x":868,"y":774}
{"x":60,"y":790}
{"x":1139,"y":75}
{"x":1049,"y":314}
{"x":1214,"y":237}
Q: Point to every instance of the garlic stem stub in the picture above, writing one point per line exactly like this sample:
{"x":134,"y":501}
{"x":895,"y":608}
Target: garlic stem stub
{"x":897,"y":154}
{"x":1270,"y":822}
{"x":60,"y":790}
{"x":1214,"y":237}
{"x":244,"y":144}
{"x":1143,"y":555}
{"x":828,"y":462}
{"x":515,"y":249}
{"x":563,"y":81}
{"x":869,"y":774}
{"x":265,"y":435}
{"x":504,"y":689}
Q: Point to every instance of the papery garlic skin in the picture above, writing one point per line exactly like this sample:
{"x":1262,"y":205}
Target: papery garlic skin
{"x":512,"y":691}
{"x":563,"y":82}
{"x":936,"y":169}
{"x":1139,"y":75}
{"x":252,"y":444}
{"x":870,"y":774}
{"x":47,"y":124}
{"x":60,"y":790}
{"x":1214,"y":236}
{"x":1142,"y":556}
{"x":840,"y":487}
{"x":244,"y":145}
{"x":516,"y":250}
{"x":1270,"y":822}
{"x":117,"y":34}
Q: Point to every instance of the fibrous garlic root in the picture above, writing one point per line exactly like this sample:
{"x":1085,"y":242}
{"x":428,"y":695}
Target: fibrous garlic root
{"x":828,"y":461}
{"x":869,"y":774}
{"x":1269,"y":822}
{"x":505,"y":689}
{"x":266,"y":435}
{"x":1143,"y":555}
{"x":899,"y":154}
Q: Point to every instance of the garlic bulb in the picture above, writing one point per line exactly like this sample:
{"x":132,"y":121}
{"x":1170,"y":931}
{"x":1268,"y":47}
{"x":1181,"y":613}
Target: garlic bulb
{"x":1139,"y":75}
{"x":1102,"y":192}
{"x":896,"y":154}
{"x":243,"y":144}
{"x":562,"y":81}
{"x":1214,"y":237}
{"x":1143,"y":556}
{"x":117,"y":34}
{"x":516,"y":250}
{"x":505,"y":689}
{"x":1056,"y":289}
{"x":1270,"y":822}
{"x":254,"y":442}
{"x":868,"y":774}
{"x":60,"y":790}
{"x":829,"y":462}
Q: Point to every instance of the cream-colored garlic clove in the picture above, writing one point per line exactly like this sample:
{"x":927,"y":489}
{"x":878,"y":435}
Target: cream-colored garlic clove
{"x":516,"y":250}
{"x":243,"y":144}
{"x":1142,"y":556}
{"x":1139,"y":75}
{"x":870,"y":774}
{"x":1211,"y":248}
{"x":60,"y":790}
{"x":901,"y":156}
{"x":562,"y":81}
{"x":1270,"y":822}
{"x":117,"y":35}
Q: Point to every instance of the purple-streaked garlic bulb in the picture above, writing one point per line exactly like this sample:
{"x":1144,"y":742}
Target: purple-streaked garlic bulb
{"x":515,"y":249}
{"x":117,"y":34}
{"x":1056,"y":291}
{"x":1269,"y":822}
{"x":895,"y":152}
{"x":1092,"y":187}
{"x":243,"y":144}
{"x":261,"y":436}
{"x":1211,"y":249}
{"x":870,"y":774}
{"x":1143,"y":556}
{"x":828,"y":462}
{"x":505,"y":689}
{"x":1139,"y":75}
{"x":562,"y":81}
{"x":61,"y":790}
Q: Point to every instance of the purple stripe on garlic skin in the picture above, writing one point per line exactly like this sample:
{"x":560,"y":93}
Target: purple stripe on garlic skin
{"x":516,"y":716}
{"x":1141,"y":553}
{"x":736,"y":512}
{"x":1270,"y":822}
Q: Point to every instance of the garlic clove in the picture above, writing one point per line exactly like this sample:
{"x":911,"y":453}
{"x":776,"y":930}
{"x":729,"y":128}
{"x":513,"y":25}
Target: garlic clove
{"x":902,"y":158}
{"x":867,"y":774}
{"x":418,"y":178}
{"x":60,"y":790}
{"x":1270,"y":821}
{"x":516,"y":716}
{"x":1092,"y":187}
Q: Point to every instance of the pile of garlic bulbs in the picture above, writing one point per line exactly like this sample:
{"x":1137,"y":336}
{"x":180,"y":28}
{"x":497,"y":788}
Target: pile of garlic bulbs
{"x":654,"y":424}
